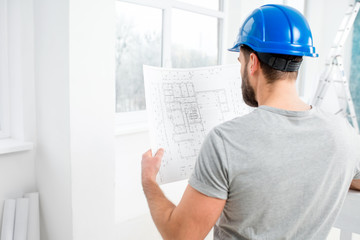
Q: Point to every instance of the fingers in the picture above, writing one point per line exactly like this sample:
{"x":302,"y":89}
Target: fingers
{"x":150,"y":165}
{"x":159,"y":153}
{"x":148,"y":153}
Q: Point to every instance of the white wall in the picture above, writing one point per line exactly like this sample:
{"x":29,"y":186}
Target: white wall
{"x":53,"y":165}
{"x":92,"y":115}
{"x":75,"y":113}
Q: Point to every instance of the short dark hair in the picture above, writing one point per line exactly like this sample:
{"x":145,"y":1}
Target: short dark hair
{"x":270,"y":73}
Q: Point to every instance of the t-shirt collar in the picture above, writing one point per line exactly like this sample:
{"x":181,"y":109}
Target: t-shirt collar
{"x":287,"y":113}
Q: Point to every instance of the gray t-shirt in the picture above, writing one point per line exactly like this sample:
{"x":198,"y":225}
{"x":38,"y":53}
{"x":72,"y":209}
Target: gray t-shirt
{"x":284,"y":174}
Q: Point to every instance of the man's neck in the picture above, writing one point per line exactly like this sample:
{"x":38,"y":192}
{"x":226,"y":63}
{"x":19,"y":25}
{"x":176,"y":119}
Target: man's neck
{"x":280,"y":94}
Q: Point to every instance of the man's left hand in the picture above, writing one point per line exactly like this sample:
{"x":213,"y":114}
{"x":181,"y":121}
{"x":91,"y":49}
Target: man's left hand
{"x":150,"y":165}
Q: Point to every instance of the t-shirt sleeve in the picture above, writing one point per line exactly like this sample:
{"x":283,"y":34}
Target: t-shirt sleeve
{"x":210,"y":175}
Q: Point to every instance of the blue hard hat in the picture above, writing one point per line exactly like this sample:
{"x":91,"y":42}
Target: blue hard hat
{"x":276,"y":29}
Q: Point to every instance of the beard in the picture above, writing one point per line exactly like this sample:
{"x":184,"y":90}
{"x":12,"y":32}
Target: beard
{"x":248,"y":92}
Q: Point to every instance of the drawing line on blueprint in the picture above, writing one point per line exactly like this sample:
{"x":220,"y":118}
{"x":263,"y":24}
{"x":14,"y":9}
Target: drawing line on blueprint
{"x":183,"y":106}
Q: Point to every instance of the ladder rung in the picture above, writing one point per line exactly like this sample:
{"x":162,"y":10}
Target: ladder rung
{"x":336,"y":46}
{"x":340,"y":110}
{"x":344,"y":29}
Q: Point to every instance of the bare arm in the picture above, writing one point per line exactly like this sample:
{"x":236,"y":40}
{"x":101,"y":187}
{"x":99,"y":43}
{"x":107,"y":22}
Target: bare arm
{"x":355,"y":185}
{"x":193,"y":218}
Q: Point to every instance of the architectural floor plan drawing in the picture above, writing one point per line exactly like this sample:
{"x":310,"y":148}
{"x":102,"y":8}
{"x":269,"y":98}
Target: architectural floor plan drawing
{"x":183,"y":105}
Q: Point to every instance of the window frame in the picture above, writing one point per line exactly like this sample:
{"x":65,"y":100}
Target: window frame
{"x":136,"y":121}
{"x":16,"y":30}
{"x":4,"y":73}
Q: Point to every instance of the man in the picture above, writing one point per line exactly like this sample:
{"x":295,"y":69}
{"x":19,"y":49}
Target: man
{"x":280,"y":172}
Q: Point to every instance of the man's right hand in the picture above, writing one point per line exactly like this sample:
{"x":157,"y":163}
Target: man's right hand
{"x":355,"y":185}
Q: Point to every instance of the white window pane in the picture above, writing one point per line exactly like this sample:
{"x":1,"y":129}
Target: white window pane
{"x":194,"y":40}
{"x":138,"y":42}
{"x":298,"y":4}
{"x":211,"y":4}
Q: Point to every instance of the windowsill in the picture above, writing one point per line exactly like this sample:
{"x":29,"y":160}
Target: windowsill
{"x":9,"y":145}
{"x":126,"y":129}
{"x":131,"y":123}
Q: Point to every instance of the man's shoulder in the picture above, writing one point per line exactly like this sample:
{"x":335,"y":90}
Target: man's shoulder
{"x":238,"y":124}
{"x":333,"y":121}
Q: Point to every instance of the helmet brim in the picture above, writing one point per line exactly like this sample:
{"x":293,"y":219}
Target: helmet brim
{"x":235,"y":48}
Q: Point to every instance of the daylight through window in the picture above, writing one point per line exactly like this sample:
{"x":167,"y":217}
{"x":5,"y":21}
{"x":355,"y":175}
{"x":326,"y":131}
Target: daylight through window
{"x":193,"y":35}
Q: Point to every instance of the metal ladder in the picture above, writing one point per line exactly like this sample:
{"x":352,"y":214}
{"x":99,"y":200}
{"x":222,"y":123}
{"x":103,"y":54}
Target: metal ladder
{"x":335,"y":62}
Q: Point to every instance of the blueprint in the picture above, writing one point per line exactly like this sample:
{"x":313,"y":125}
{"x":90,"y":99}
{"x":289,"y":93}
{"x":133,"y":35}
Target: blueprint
{"x":183,"y":105}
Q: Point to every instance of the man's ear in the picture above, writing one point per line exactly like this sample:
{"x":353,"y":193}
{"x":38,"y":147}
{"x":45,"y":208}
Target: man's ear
{"x":254,"y":64}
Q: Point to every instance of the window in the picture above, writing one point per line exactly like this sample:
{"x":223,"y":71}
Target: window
{"x":138,"y":42}
{"x":4,"y":82}
{"x":212,"y":4}
{"x":157,"y":33}
{"x":201,"y":49}
{"x":16,"y":52}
